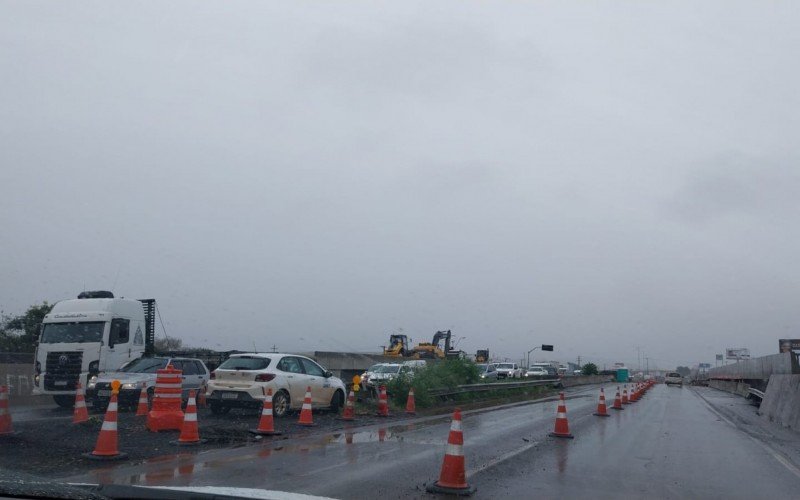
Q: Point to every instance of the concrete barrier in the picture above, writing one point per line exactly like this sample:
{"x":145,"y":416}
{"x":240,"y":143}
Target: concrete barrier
{"x":757,"y":368}
{"x":734,"y":387}
{"x":584,"y":380}
{"x":781,"y":402}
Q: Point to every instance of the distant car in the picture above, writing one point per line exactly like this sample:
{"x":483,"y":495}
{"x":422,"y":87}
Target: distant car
{"x":383,"y":374}
{"x":535,"y":371}
{"x":487,"y":371}
{"x":142,"y":373}
{"x":577,"y":372}
{"x":368,"y":373}
{"x":674,"y":378}
{"x":243,"y":379}
{"x":509,"y":370}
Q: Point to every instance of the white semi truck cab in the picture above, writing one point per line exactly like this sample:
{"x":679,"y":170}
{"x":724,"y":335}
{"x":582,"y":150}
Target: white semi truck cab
{"x":88,"y":335}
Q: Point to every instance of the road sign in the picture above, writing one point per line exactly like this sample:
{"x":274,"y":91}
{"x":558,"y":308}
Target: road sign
{"x":719,"y":357}
{"x":547,"y":347}
{"x":704,"y":365}
{"x":737,"y":353}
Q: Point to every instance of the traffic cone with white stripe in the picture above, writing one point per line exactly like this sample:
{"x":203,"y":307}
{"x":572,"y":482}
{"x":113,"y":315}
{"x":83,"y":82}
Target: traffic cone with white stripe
{"x":453,"y":476}
{"x":601,"y":405}
{"x":634,"y":396}
{"x":617,"y":402}
{"x":190,"y":433}
{"x":383,"y":403}
{"x":266,"y":425}
{"x":305,"y":413}
{"x":106,"y":447}
{"x":6,"y":426}
{"x":350,"y":407}
{"x":144,"y":407}
{"x":625,"y":399}
{"x":562,"y":424}
{"x":411,"y":405}
{"x":81,"y":414}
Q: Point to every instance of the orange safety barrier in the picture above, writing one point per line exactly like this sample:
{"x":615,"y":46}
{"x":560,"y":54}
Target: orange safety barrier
{"x":453,"y":476}
{"x":166,"y":414}
{"x":81,"y":414}
{"x":625,"y":399}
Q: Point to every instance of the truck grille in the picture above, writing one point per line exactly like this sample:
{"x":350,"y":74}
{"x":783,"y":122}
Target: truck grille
{"x":62,"y":370}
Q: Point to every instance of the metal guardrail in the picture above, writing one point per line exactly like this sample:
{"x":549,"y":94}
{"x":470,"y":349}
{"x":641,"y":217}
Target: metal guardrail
{"x":461,"y":389}
{"x":756,"y":393}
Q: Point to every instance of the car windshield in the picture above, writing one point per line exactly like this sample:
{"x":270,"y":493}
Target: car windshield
{"x":244,"y":363}
{"x":505,"y":365}
{"x":145,"y":365}
{"x":79,"y":332}
{"x":388,"y":369}
{"x":674,"y":375}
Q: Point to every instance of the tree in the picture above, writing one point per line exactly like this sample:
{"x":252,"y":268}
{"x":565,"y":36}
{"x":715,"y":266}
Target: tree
{"x":20,"y":333}
{"x":168,"y":344}
{"x":683,"y":370}
{"x":589,"y":369}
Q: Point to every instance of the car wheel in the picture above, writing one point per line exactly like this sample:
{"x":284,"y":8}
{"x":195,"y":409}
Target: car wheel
{"x":280,"y":404}
{"x":337,"y":401}
{"x":219,"y":409}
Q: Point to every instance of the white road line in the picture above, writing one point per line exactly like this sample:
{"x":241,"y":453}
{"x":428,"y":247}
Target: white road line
{"x":501,"y":458}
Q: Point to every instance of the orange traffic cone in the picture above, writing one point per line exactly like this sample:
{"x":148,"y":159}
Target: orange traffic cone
{"x":201,"y":397}
{"x":625,"y":399}
{"x":6,"y":426}
{"x":453,"y":476}
{"x":106,"y":447}
{"x":190,"y":434}
{"x":601,"y":405}
{"x":144,"y":407}
{"x":617,"y":402}
{"x":305,"y":413}
{"x":562,"y":425}
{"x":634,"y":396}
{"x":383,"y":403}
{"x":350,"y":407}
{"x":81,"y":414}
{"x":411,"y":406}
{"x":266,"y":425}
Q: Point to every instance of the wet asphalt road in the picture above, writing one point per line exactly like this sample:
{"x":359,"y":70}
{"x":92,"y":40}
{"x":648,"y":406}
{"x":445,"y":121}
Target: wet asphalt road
{"x":672,"y":444}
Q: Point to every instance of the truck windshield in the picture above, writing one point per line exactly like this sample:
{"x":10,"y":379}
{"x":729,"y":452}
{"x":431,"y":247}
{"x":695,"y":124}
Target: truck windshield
{"x":72,"y":332}
{"x":145,"y":365}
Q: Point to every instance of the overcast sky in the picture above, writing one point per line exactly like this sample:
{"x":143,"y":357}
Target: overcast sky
{"x":317,"y":175}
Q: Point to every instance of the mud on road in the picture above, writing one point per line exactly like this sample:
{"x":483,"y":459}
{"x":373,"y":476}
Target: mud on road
{"x":51,"y":446}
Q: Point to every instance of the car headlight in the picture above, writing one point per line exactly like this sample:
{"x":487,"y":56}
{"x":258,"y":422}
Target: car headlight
{"x":129,"y":386}
{"x":92,"y":382}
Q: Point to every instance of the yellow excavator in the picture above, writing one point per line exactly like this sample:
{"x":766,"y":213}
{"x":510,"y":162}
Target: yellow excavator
{"x":433,"y":349}
{"x":398,"y":347}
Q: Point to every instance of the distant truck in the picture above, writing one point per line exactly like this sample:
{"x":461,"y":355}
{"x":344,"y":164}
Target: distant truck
{"x":85,"y":336}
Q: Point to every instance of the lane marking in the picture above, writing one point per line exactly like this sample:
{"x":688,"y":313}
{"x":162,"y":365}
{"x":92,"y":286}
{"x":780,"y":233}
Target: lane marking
{"x":501,"y":458}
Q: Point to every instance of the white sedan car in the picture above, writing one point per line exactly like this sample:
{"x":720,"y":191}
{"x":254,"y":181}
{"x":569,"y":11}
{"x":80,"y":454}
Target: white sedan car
{"x":508,"y":370}
{"x":243,"y":379}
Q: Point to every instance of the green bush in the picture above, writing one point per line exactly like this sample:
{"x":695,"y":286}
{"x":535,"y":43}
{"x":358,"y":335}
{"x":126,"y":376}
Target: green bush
{"x":448,"y":373}
{"x":589,"y":369}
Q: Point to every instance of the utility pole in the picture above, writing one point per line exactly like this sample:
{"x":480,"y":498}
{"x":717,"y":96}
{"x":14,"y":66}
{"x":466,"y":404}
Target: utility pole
{"x":579,"y":362}
{"x":647,"y":368}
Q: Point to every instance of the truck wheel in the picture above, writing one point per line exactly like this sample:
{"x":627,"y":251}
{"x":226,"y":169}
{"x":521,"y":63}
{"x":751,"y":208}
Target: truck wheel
{"x":64,"y":400}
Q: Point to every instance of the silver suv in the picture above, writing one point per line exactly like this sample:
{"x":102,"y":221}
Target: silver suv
{"x":673,"y":378}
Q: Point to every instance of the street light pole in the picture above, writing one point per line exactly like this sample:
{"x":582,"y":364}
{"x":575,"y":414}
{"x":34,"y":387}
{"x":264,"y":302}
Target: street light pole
{"x":529,"y":356}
